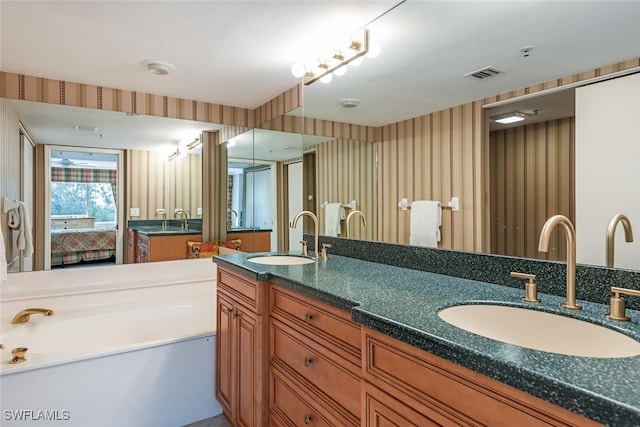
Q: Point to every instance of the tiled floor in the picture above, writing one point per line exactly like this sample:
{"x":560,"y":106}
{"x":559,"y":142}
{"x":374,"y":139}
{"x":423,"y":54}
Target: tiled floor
{"x":219,"y":421}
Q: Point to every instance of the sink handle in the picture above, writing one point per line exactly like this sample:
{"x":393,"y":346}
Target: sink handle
{"x":617,"y":310}
{"x":305,"y":250}
{"x":530,"y":288}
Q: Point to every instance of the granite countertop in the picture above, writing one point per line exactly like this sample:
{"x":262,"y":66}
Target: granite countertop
{"x":404,"y":304}
{"x":171,"y":230}
{"x":248,"y":230}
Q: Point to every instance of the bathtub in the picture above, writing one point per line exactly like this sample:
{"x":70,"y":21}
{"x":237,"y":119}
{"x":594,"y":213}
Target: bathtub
{"x":126,"y":346}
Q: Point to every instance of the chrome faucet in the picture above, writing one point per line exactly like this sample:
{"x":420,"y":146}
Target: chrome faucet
{"x":24,"y":315}
{"x":185,"y":216}
{"x":611,"y":233}
{"x":543,"y":246}
{"x":164,"y":217}
{"x":315,"y":230}
{"x":354,"y":213}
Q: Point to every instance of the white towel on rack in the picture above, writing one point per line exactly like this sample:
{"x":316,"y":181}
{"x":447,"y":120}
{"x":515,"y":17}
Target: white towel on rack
{"x":20,"y":220}
{"x":426,"y":219}
{"x":3,"y":257}
{"x":333,"y":214}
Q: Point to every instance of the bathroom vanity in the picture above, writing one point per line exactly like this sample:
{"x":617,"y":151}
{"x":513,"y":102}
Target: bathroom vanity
{"x":351,"y":342}
{"x":153,"y":242}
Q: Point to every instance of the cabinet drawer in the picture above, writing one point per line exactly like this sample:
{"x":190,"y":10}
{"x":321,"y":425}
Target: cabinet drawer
{"x":322,"y":374}
{"x":246,"y":291}
{"x":453,"y":391}
{"x":286,"y":403}
{"x":321,"y":320}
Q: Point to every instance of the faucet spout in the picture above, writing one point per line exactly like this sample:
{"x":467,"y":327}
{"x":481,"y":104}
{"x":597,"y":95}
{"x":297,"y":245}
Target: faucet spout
{"x":313,"y":216}
{"x":611,"y":234}
{"x":185,"y":214}
{"x":24,"y":315}
{"x":543,"y":246}
{"x":354,"y":213}
{"x":164,"y":217}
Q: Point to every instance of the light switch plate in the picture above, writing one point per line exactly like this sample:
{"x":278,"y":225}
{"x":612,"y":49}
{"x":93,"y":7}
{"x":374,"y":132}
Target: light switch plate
{"x":199,"y":212}
{"x":134,"y":212}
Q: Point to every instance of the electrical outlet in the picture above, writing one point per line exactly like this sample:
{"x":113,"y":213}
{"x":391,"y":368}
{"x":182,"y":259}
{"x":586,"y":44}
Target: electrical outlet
{"x":199,"y":211}
{"x":134,"y":212}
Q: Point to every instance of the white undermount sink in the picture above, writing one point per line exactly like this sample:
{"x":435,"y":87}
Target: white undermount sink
{"x":281,"y":260}
{"x":541,"y":331}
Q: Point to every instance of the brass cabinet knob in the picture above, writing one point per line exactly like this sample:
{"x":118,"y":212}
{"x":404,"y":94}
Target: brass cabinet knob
{"x":308,"y":419}
{"x":309,"y":317}
{"x":308,"y":361}
{"x":530,"y":288}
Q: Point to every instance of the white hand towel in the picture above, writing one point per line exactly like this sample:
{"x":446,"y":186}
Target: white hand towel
{"x":25,"y":238}
{"x":333,"y":213}
{"x":426,"y":219}
{"x":3,"y":257}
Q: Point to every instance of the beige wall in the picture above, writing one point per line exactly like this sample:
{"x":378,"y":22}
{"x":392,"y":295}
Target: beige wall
{"x":532,"y":177}
{"x":10,"y":171}
{"x":155,"y":182}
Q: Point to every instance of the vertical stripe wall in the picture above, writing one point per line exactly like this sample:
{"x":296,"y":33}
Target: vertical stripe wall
{"x":158,"y":183}
{"x":532,"y":177}
{"x":10,"y":155}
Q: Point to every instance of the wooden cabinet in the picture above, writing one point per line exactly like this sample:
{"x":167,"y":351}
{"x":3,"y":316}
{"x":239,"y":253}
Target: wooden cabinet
{"x":256,"y":241}
{"x":70,"y":223}
{"x":408,"y":386}
{"x":132,"y":246}
{"x":241,"y":358}
{"x":314,"y":360}
{"x":163,"y":248}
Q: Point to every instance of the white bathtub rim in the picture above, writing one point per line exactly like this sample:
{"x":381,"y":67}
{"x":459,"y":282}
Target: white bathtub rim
{"x":16,"y":289}
{"x":66,"y":357}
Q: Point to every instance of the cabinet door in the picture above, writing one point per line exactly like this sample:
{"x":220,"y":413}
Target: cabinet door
{"x":247,"y":326}
{"x":224,"y":353}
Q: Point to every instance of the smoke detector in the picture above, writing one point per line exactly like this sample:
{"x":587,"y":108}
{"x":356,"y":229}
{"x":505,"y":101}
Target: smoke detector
{"x":349,"y":102}
{"x":158,"y":67}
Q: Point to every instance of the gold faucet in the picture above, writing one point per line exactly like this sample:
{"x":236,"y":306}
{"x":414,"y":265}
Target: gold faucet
{"x":232,"y":212}
{"x":185,"y":216}
{"x":543,"y":246}
{"x":353,"y":213}
{"x":315,"y":229}
{"x":611,"y":234}
{"x":164,"y":217}
{"x":24,"y":315}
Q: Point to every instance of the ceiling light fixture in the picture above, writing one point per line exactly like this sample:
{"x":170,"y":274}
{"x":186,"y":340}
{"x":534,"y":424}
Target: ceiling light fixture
{"x":86,"y":128}
{"x":349,"y":102}
{"x":509,"y":118}
{"x":326,"y":65}
{"x":175,"y":154}
{"x":158,"y":67}
{"x":196,"y":143}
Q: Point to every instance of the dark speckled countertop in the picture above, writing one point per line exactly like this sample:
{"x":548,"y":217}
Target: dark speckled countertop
{"x":404,"y":303}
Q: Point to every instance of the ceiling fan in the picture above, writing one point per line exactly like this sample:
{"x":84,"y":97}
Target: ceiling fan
{"x":67,"y":163}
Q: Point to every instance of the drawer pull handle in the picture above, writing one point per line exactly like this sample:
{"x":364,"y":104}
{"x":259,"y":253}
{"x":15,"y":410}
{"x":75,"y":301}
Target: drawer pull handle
{"x":229,"y":310}
{"x":308,"y":361}
{"x":308,"y":419}
{"x":308,"y":317}
{"x":235,"y":315}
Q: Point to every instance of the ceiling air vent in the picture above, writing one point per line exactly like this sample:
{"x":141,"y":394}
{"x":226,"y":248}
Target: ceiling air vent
{"x":484,"y":73}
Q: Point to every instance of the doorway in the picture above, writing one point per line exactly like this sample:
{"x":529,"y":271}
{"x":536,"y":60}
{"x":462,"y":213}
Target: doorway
{"x":83,"y":215}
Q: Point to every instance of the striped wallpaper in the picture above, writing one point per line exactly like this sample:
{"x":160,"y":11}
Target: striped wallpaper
{"x":10,"y":155}
{"x":532,"y":177}
{"x":154,"y":182}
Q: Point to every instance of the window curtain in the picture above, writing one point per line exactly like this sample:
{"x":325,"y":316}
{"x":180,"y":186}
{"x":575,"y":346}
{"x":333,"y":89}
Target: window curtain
{"x":109,"y":176}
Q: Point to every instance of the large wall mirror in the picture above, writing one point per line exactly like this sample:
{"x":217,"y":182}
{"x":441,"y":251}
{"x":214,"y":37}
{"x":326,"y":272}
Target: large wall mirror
{"x":163,"y":161}
{"x":509,"y":178}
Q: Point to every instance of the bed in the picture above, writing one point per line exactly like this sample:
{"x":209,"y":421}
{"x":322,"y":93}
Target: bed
{"x":82,"y":244}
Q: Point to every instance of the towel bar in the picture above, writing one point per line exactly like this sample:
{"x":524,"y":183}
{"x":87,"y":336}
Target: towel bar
{"x":454,"y":204}
{"x":350,"y":205}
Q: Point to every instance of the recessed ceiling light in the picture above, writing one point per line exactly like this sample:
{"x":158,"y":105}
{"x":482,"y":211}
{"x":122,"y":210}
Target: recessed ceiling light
{"x":509,"y":118}
{"x":158,"y":67}
{"x":85,"y":128}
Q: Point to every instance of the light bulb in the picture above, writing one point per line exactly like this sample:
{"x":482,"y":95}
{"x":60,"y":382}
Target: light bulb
{"x":326,"y":78}
{"x":298,"y":70}
{"x":356,"y":61}
{"x":340,"y":71}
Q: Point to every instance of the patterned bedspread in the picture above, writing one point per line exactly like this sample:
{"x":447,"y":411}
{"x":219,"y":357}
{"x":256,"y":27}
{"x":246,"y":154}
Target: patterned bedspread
{"x":83,"y":239}
{"x":82,"y":244}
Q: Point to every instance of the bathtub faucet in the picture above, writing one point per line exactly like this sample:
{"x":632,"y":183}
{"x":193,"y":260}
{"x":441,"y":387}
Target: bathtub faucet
{"x":24,"y":315}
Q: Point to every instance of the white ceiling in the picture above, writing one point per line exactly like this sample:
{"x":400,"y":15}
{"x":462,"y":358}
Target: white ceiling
{"x":240,"y":53}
